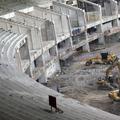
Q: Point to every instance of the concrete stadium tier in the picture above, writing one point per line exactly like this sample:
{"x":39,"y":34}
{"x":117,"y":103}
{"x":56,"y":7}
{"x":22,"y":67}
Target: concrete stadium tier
{"x":33,"y":42}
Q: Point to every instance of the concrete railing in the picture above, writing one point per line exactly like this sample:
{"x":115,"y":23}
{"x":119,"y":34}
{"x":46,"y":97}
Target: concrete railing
{"x":92,"y":16}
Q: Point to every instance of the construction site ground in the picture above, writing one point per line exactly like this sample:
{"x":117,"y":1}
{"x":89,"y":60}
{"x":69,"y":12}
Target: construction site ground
{"x":79,"y":81}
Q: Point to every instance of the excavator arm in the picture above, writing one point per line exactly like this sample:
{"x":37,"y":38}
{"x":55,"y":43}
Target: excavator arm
{"x":115,"y":94}
{"x":109,"y":81}
{"x":111,"y":67}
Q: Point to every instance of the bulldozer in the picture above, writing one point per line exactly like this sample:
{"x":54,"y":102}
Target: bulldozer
{"x":103,"y":58}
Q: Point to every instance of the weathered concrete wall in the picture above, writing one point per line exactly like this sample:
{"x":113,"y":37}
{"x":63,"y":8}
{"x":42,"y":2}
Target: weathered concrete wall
{"x":52,"y":68}
{"x":76,"y":15}
{"x":107,"y":26}
{"x":60,"y":21}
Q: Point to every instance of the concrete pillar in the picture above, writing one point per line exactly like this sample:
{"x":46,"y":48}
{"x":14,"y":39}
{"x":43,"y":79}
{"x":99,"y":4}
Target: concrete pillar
{"x":108,"y":9}
{"x":18,"y":60}
{"x":45,"y":76}
{"x":36,"y":38}
{"x":115,"y":23}
{"x":62,"y":24}
{"x":101,"y":40}
{"x":56,"y":48}
{"x":71,"y":42}
{"x":86,"y":47}
{"x":118,"y":23}
{"x":69,"y":25}
{"x":57,"y":54}
{"x":114,"y":7}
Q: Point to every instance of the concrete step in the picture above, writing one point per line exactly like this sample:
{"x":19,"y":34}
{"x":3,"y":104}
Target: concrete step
{"x":3,"y":35}
{"x":4,"y":56}
{"x":4,"y":42}
{"x":12,"y":48}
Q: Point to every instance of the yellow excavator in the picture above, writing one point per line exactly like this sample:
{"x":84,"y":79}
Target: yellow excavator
{"x":115,"y":94}
{"x":110,"y":81}
{"x":103,"y":58}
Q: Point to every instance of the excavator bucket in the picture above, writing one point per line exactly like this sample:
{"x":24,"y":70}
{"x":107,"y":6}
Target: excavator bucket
{"x":114,"y":95}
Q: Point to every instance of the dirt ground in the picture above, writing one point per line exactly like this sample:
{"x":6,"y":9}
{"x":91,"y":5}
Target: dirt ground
{"x":79,"y":81}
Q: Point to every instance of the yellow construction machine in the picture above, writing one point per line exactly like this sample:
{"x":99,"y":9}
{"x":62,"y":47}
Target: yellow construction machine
{"x":110,"y":81}
{"x":103,"y":58}
{"x":115,"y":94}
{"x":107,"y":83}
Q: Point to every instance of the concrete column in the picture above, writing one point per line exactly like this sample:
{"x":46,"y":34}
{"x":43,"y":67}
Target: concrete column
{"x":18,"y":60}
{"x":118,"y":23}
{"x":44,"y":68}
{"x":30,"y":43}
{"x":55,"y":34}
{"x":86,"y":47}
{"x":39,"y":38}
{"x":100,"y":28}
{"x":115,"y":23}
{"x":56,"y":50}
{"x":31,"y":69}
{"x":114,"y":8}
{"x":58,"y":58}
{"x":71,"y":43}
{"x":36,"y":39}
{"x":62,"y":24}
{"x":70,"y":30}
{"x":69,"y":24}
{"x":101,"y":39}
{"x":108,"y":9}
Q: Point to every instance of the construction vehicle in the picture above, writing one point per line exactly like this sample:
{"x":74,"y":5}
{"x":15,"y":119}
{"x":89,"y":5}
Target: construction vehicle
{"x":115,"y":94}
{"x":107,"y":83}
{"x":103,"y":58}
{"x":103,"y":84}
{"x":110,"y":81}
